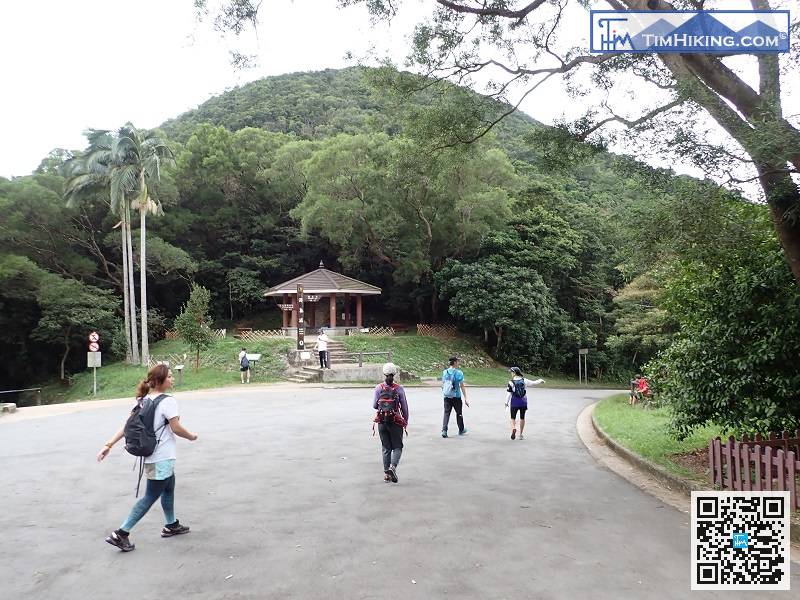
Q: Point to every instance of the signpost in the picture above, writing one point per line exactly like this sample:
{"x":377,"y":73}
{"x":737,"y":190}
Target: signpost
{"x":93,"y":358}
{"x":584,"y":352}
{"x":301,"y":324}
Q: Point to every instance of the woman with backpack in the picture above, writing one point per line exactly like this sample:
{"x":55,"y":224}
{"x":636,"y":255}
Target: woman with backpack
{"x":517,"y":397}
{"x":244,"y":365}
{"x":159,"y":466}
{"x":392,"y":417}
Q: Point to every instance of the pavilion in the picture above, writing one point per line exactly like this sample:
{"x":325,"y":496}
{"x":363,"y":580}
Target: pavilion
{"x":322,"y":290}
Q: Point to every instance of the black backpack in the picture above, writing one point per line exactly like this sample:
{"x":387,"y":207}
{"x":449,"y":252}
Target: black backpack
{"x":518,"y":387}
{"x":139,"y":431}
{"x":245,"y":362}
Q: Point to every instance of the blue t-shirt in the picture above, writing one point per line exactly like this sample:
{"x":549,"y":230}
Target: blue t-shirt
{"x":458,"y":376}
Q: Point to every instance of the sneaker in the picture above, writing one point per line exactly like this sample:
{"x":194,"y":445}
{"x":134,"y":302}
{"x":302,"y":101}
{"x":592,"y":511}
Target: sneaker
{"x":393,"y":473}
{"x":444,"y":432}
{"x":174,"y":529}
{"x":463,"y":432}
{"x":521,"y":437}
{"x":120,"y":540}
{"x":514,"y":434}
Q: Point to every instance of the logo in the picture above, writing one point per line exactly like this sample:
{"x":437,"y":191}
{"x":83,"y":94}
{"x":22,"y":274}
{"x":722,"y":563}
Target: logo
{"x":739,"y":540}
{"x":704,"y":31}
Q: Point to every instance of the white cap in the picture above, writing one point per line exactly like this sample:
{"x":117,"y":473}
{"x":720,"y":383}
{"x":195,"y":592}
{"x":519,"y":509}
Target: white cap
{"x":389,"y":369}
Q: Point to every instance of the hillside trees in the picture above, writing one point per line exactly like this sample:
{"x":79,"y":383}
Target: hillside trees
{"x":670,"y":98}
{"x":380,"y":197}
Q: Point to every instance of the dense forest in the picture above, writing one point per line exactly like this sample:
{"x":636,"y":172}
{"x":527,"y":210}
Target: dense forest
{"x":535,"y":244}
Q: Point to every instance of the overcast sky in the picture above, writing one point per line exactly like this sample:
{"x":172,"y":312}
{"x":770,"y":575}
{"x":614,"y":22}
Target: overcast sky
{"x":68,"y":66}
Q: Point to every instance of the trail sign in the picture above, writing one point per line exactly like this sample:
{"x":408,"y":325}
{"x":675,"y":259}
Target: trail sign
{"x":301,"y":317}
{"x":94,"y":337}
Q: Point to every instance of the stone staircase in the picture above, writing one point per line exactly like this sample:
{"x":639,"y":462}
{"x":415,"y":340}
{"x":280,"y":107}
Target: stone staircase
{"x":306,"y":375}
{"x":312,"y":373}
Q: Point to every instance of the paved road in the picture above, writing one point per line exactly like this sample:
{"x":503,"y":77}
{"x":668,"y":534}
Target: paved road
{"x":285,"y":498}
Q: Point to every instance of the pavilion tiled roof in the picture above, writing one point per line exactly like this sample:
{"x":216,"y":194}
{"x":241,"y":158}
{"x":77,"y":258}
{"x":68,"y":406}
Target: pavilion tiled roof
{"x":323,"y":281}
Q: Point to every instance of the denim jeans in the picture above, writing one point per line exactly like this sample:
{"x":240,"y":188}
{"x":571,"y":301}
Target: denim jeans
{"x":163,"y":488}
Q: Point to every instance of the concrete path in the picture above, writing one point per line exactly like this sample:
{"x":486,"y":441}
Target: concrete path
{"x":285,"y":498}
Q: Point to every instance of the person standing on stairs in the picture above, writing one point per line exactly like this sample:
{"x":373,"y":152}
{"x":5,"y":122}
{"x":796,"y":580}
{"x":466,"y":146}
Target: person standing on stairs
{"x":322,"y":347}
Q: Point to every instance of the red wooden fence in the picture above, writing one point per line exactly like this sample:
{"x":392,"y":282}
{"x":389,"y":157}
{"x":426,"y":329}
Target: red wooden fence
{"x":757,"y":464}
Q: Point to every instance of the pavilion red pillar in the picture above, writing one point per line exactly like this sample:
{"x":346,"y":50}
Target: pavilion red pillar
{"x":333,"y":310}
{"x":358,"y":312}
{"x":313,"y":311}
{"x":285,"y":314}
{"x":347,"y":310}
{"x":295,"y":310}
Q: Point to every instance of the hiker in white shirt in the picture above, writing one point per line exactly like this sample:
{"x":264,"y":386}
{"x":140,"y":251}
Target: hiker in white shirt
{"x":244,"y":365}
{"x":322,"y":347}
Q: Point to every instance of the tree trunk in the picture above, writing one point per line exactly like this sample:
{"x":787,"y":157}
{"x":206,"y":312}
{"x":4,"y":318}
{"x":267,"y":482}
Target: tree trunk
{"x":783,"y":196}
{"x":499,"y":332}
{"x":485,"y":335}
{"x":66,"y":352}
{"x":125,"y":294}
{"x":230,"y":299}
{"x":143,"y":282}
{"x":197,"y":360}
{"x":434,"y":307}
{"x":132,"y":288}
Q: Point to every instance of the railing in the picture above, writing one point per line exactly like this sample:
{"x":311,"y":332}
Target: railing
{"x":37,"y":390}
{"x":360,"y":356}
{"x":436,"y":330}
{"x":758,"y":464}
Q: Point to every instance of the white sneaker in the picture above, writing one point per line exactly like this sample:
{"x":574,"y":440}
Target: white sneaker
{"x":522,"y":437}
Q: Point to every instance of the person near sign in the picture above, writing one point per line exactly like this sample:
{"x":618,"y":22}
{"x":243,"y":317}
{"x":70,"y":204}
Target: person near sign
{"x":322,"y":347}
{"x":244,"y":365}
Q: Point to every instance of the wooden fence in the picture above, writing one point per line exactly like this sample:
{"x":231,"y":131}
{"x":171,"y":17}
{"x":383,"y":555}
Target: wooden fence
{"x":758,"y":464}
{"x":373,"y":331}
{"x":173,"y":335}
{"x":261,"y":334}
{"x":436,"y":330}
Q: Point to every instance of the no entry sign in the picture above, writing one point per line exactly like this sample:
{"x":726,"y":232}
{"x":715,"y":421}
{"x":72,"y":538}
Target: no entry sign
{"x":94,"y":347}
{"x":94,"y":337}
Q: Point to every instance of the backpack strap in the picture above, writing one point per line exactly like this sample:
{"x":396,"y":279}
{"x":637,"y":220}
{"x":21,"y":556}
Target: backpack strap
{"x":156,"y":401}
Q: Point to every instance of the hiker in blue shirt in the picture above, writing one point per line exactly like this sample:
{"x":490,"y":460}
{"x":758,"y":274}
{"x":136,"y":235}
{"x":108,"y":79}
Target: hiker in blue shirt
{"x":453,"y":391}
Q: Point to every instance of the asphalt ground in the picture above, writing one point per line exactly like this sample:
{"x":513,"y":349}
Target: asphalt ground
{"x":285,"y":496}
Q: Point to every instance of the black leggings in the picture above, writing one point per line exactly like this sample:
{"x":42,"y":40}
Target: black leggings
{"x":521,"y":410}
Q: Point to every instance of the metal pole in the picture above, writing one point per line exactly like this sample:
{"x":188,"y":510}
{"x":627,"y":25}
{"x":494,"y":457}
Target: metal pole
{"x":579,"y":366}
{"x":94,"y":377}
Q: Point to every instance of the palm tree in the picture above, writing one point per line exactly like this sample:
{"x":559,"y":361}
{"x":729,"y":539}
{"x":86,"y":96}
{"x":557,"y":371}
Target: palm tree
{"x":86,"y":174}
{"x":137,"y":157}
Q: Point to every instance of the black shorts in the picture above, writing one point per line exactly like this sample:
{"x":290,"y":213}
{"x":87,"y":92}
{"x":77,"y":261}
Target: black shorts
{"x":514,"y":410}
{"x":243,"y":369}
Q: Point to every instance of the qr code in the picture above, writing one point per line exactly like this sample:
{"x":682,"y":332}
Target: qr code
{"x":740,"y":540}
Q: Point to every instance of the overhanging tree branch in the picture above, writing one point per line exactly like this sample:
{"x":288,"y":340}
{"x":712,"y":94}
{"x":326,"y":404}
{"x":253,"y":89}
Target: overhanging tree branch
{"x":643,"y":119}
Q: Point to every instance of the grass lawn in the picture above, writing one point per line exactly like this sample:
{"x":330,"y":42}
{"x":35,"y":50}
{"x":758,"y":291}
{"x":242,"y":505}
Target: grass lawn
{"x":645,"y":431}
{"x":427,"y":357}
{"x":219,"y":366}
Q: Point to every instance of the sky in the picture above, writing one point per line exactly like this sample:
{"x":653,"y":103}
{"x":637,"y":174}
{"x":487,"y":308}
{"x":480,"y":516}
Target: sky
{"x":69,"y":66}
